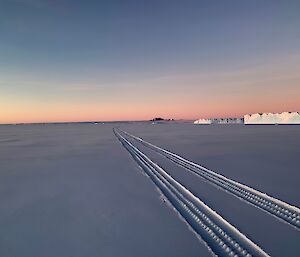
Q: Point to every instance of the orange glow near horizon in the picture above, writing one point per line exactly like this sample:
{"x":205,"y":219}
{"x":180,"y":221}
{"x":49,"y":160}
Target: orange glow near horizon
{"x":103,"y":61}
{"x":43,"y":113}
{"x":271,"y":88}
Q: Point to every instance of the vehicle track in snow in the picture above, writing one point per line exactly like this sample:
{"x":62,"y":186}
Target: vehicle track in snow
{"x":282,"y":210}
{"x":220,"y":236}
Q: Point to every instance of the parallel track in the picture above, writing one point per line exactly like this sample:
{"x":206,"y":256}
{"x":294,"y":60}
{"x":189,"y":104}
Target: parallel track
{"x":220,"y":236}
{"x":284,"y":211}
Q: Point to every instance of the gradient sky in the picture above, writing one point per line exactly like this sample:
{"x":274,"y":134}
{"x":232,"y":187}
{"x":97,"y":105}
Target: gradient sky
{"x":128,"y":60}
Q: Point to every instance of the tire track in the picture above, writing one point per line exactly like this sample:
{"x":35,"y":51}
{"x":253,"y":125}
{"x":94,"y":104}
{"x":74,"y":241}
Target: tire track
{"x":281,"y":210}
{"x":220,"y":236}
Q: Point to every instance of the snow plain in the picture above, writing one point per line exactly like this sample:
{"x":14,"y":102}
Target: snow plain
{"x":73,"y":190}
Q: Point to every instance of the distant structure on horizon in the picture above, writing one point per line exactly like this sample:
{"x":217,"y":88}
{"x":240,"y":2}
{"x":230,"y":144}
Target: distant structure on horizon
{"x":157,"y":119}
{"x":161,"y":119}
{"x":220,"y":121}
{"x":257,"y":118}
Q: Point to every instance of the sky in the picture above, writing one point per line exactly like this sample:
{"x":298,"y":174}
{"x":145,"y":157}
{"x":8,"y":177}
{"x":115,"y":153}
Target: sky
{"x":71,"y":60}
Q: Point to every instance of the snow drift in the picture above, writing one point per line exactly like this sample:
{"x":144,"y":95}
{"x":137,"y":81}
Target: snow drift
{"x":273,"y":118}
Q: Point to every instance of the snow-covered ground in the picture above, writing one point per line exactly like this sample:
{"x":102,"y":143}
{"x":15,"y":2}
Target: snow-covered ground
{"x":263,"y":157}
{"x":73,"y":190}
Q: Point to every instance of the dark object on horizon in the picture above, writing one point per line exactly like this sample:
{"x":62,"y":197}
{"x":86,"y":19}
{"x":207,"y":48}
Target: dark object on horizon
{"x":157,"y":119}
{"x":161,"y":119}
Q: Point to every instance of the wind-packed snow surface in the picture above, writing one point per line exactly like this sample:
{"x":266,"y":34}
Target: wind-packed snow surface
{"x":73,"y":190}
{"x":273,"y":118}
{"x":262,"y":157}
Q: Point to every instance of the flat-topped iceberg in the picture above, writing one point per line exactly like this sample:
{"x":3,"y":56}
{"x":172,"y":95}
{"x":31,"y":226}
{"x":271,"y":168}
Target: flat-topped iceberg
{"x":202,"y":121}
{"x":273,"y":118}
{"x":220,"y":121}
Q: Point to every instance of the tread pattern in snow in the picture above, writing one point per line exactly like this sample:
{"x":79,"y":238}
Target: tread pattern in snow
{"x":282,"y":210}
{"x":221,"y":237}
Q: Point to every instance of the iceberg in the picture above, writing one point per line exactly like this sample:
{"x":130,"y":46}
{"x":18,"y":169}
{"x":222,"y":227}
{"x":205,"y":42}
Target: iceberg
{"x":228,"y":121}
{"x":273,"y":118}
{"x":220,"y":121}
{"x":202,"y":121}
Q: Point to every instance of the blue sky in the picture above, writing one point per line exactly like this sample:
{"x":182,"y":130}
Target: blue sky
{"x":92,"y":55}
